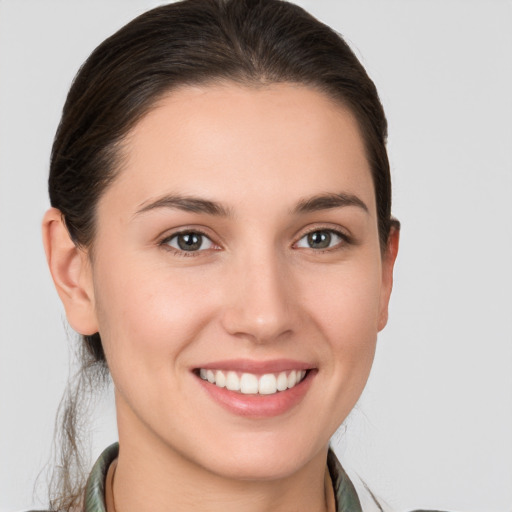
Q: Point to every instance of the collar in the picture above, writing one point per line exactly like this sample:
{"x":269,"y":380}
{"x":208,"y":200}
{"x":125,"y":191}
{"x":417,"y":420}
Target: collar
{"x":344,"y":492}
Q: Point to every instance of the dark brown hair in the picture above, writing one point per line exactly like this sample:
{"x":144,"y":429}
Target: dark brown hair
{"x":251,"y":42}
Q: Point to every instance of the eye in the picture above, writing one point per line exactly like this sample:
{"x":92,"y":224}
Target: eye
{"x":189,"y":241}
{"x":321,"y":239}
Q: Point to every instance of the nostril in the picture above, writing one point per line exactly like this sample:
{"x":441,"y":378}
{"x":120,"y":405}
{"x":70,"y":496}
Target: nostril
{"x":259,"y":328}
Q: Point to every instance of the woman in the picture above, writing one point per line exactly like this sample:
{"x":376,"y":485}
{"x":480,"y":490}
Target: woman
{"x":221,"y":236}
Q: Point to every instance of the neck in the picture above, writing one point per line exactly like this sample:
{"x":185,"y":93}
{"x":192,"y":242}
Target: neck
{"x":149,"y":476}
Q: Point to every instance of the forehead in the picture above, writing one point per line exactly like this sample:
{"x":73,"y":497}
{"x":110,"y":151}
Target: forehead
{"x":241,"y":143}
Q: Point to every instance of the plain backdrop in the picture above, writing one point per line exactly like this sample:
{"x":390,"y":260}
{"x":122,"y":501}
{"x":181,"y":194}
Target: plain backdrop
{"x":434,"y":426}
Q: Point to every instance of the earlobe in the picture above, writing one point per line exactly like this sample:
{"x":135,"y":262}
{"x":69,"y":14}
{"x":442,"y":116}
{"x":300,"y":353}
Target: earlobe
{"x":388,"y":264}
{"x":71,"y":272}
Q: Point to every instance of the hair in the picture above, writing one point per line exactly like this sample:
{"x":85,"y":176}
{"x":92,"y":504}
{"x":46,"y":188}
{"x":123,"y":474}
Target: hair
{"x":192,"y":42}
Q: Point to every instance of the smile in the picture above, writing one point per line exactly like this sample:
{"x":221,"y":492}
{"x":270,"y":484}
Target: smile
{"x":252,"y":384}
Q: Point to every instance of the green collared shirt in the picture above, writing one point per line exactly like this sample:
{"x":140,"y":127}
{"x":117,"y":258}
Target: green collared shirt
{"x":344,"y":492}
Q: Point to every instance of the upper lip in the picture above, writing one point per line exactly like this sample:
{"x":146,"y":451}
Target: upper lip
{"x":257,"y":367}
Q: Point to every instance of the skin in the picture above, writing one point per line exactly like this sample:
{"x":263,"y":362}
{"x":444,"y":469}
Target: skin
{"x":258,"y":291}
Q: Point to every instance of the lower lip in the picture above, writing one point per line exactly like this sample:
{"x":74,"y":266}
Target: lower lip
{"x":259,"y":406}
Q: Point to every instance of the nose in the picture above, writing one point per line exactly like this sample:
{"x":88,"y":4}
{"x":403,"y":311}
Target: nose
{"x":261,"y":303}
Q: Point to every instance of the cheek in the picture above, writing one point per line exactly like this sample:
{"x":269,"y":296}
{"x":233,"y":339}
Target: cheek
{"x":347,"y":300}
{"x":347,"y":310}
{"x":148,"y":315}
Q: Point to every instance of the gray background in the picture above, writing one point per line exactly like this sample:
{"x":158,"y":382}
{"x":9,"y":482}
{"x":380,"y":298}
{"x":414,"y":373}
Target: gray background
{"x":434,"y":426}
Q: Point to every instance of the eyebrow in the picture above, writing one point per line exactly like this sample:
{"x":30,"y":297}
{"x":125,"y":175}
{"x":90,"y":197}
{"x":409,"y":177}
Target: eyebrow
{"x":327,"y":201}
{"x":199,"y":205}
{"x":186,"y":203}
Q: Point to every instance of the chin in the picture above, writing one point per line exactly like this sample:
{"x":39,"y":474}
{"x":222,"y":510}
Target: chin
{"x":261,"y":456}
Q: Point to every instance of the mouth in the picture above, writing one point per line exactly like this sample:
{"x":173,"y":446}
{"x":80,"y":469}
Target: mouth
{"x":253,"y":384}
{"x":254,"y":389}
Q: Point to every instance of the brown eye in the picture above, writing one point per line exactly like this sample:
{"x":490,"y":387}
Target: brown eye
{"x":190,"y":241}
{"x":321,"y":239}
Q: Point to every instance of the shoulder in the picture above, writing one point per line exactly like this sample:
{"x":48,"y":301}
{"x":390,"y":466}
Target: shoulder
{"x":352,"y":494}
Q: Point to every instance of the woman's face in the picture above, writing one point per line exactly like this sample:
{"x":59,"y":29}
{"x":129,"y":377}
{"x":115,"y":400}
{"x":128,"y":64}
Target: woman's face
{"x":239,"y":243}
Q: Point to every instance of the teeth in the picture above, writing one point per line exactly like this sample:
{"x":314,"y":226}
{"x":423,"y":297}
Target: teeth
{"x":232,"y":381}
{"x":292,"y":379}
{"x":220,"y":379}
{"x":267,"y":384}
{"x":282,"y":381}
{"x":250,"y":384}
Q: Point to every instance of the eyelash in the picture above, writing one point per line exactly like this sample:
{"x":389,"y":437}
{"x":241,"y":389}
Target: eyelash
{"x":345,"y":240}
{"x":179,"y":252}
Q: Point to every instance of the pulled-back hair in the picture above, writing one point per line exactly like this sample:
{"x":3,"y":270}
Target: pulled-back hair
{"x":251,"y":42}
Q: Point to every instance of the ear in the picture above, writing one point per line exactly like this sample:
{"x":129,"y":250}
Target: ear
{"x":71,"y":272}
{"x":388,"y":264}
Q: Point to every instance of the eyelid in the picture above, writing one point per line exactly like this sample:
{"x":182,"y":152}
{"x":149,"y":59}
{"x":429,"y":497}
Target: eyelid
{"x":187,"y":228}
{"x":163,"y":240}
{"x":347,"y":239}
